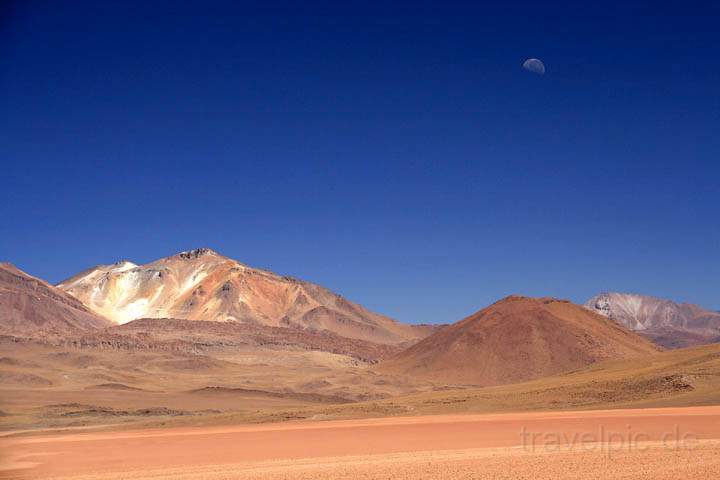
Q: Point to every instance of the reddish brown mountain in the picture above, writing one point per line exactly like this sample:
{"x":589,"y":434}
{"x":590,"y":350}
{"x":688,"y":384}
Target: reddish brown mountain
{"x":517,"y":339}
{"x":29,"y":306}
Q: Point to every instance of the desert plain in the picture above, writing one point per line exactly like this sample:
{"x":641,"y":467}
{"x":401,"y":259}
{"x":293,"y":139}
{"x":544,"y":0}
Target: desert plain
{"x":660,"y":443}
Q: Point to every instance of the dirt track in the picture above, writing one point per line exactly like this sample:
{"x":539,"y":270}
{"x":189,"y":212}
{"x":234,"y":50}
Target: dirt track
{"x":653,"y":443}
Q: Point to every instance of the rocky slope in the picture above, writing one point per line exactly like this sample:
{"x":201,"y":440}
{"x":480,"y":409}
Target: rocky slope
{"x":669,"y":324}
{"x":199,"y":337}
{"x":514,"y":340}
{"x":30,"y":307}
{"x":203,"y":285}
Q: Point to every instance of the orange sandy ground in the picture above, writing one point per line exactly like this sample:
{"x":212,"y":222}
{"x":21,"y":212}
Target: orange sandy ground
{"x":652,"y":443}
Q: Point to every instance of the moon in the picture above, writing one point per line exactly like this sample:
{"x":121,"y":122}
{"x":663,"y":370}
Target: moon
{"x":535,"y":66}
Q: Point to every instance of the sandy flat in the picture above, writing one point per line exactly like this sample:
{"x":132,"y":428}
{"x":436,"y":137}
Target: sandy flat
{"x":650,"y":443}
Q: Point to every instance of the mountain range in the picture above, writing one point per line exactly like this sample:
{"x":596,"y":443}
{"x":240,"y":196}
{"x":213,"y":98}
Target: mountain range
{"x":203,"y":285}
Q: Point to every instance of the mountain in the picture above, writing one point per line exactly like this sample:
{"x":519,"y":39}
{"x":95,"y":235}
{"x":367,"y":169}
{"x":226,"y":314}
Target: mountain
{"x":670,"y":324}
{"x":517,"y":339}
{"x":201,"y":284}
{"x":29,"y":306}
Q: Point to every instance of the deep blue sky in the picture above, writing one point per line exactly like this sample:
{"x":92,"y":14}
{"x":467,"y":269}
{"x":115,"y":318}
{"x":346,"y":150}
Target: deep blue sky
{"x":396,"y":154}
